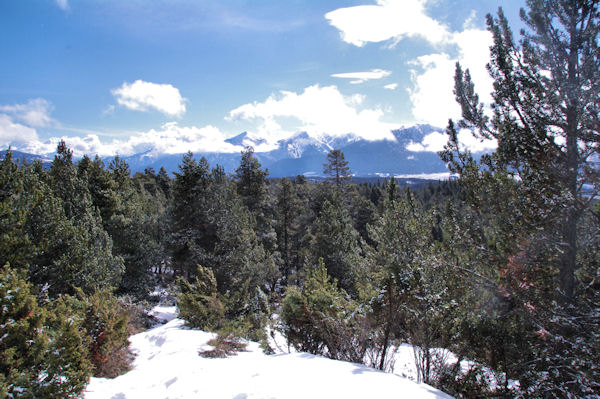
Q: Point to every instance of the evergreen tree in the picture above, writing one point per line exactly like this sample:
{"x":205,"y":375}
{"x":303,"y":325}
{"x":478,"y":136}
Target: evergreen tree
{"x":288,"y":208}
{"x":337,"y":167}
{"x":192,"y":231}
{"x":545,"y":120}
{"x":67,"y":186}
{"x":42,"y":354}
{"x":164,"y":182}
{"x":320,"y":318}
{"x":413,"y":301}
{"x":60,"y":252}
{"x":335,"y":240}
{"x":102,"y":187}
{"x":250,"y":178}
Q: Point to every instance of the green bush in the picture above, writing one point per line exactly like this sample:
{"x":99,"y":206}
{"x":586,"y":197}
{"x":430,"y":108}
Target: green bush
{"x":198,"y":303}
{"x":320,"y":318}
{"x":42,"y":351}
{"x":106,"y":326}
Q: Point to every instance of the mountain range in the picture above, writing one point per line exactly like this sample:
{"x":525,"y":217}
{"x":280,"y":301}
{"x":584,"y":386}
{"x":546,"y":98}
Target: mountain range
{"x":302,"y":154}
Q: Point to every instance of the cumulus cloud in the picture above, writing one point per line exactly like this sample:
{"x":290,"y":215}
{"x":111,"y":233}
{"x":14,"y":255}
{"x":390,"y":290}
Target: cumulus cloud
{"x":435,"y":142}
{"x":391,"y":86}
{"x":18,"y":122}
{"x":35,"y":112}
{"x":13,"y":133}
{"x":387,"y":20}
{"x":361,"y":77}
{"x":169,"y":139}
{"x":317,"y":110}
{"x":433,"y":77}
{"x":144,"y":96}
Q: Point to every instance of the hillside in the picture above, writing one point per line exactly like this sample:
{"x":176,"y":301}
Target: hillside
{"x":168,"y":366}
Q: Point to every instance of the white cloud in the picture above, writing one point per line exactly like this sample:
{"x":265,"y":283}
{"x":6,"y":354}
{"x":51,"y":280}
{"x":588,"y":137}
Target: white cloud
{"x":466,"y":140}
{"x":360,"y":77}
{"x":143,"y":96}
{"x":18,"y":122}
{"x":63,"y":5}
{"x":435,"y":142}
{"x":391,"y":86}
{"x":35,"y":112}
{"x":318,"y":111}
{"x":432,"y":94}
{"x":169,"y":139}
{"x":12,"y":133}
{"x":388,"y":20}
{"x":432,"y":75}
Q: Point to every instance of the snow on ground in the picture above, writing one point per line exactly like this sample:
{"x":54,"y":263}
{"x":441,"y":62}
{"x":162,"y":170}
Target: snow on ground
{"x":167,"y":365}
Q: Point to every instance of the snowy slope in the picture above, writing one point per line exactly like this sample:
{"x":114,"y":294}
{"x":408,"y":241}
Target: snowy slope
{"x":168,"y":366}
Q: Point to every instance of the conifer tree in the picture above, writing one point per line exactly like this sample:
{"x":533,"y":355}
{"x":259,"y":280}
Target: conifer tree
{"x":337,"y":167}
{"x":164,"y":182}
{"x":413,"y":301}
{"x":545,"y":120}
{"x":287,"y":207}
{"x":192,"y":231}
{"x":60,"y":252}
{"x":250,"y":178}
{"x":42,"y":354}
{"x":335,"y":240}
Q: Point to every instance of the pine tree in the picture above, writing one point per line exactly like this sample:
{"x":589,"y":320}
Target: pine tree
{"x":335,"y":240}
{"x":337,"y":167}
{"x":320,"y":318}
{"x":41,"y":350}
{"x":164,"y":182}
{"x":57,"y":251}
{"x":250,"y":178}
{"x":413,"y":301}
{"x":545,"y":113}
{"x":288,"y":208}
{"x":545,"y":120}
{"x":192,"y":232}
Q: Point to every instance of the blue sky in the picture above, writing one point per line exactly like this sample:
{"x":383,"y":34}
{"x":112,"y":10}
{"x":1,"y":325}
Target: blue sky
{"x":125,"y":76}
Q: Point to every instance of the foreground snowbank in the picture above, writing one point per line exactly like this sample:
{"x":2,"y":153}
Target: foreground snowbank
{"x":167,"y":365}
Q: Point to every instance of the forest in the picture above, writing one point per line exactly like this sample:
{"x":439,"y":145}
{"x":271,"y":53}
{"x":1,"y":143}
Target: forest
{"x":500,"y":266}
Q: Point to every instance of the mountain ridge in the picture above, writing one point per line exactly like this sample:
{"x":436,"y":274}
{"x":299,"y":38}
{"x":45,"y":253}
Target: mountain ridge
{"x":302,"y":154}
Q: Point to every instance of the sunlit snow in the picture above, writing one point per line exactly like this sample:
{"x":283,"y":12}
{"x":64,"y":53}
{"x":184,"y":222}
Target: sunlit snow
{"x":167,"y":365}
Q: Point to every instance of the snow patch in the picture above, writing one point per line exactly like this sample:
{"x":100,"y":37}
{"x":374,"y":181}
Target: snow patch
{"x":167,"y":365}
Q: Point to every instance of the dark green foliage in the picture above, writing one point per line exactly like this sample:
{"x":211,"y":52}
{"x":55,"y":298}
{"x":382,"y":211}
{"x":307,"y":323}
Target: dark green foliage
{"x":250,"y":179}
{"x":198,"y":303}
{"x":56,"y":251}
{"x":413,"y":300}
{"x":337,"y":167}
{"x":164,"y":182}
{"x":288,"y":210}
{"x":192,"y":230}
{"x":41,"y":349}
{"x":105,"y":322}
{"x":335,"y":240}
{"x":102,"y":187}
{"x":320,"y":318}
{"x":363,"y":213}
{"x":529,"y":217}
{"x":137,"y":228}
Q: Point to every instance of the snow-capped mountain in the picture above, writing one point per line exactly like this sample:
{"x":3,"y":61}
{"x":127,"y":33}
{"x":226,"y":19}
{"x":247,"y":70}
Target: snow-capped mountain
{"x":303,"y":154}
